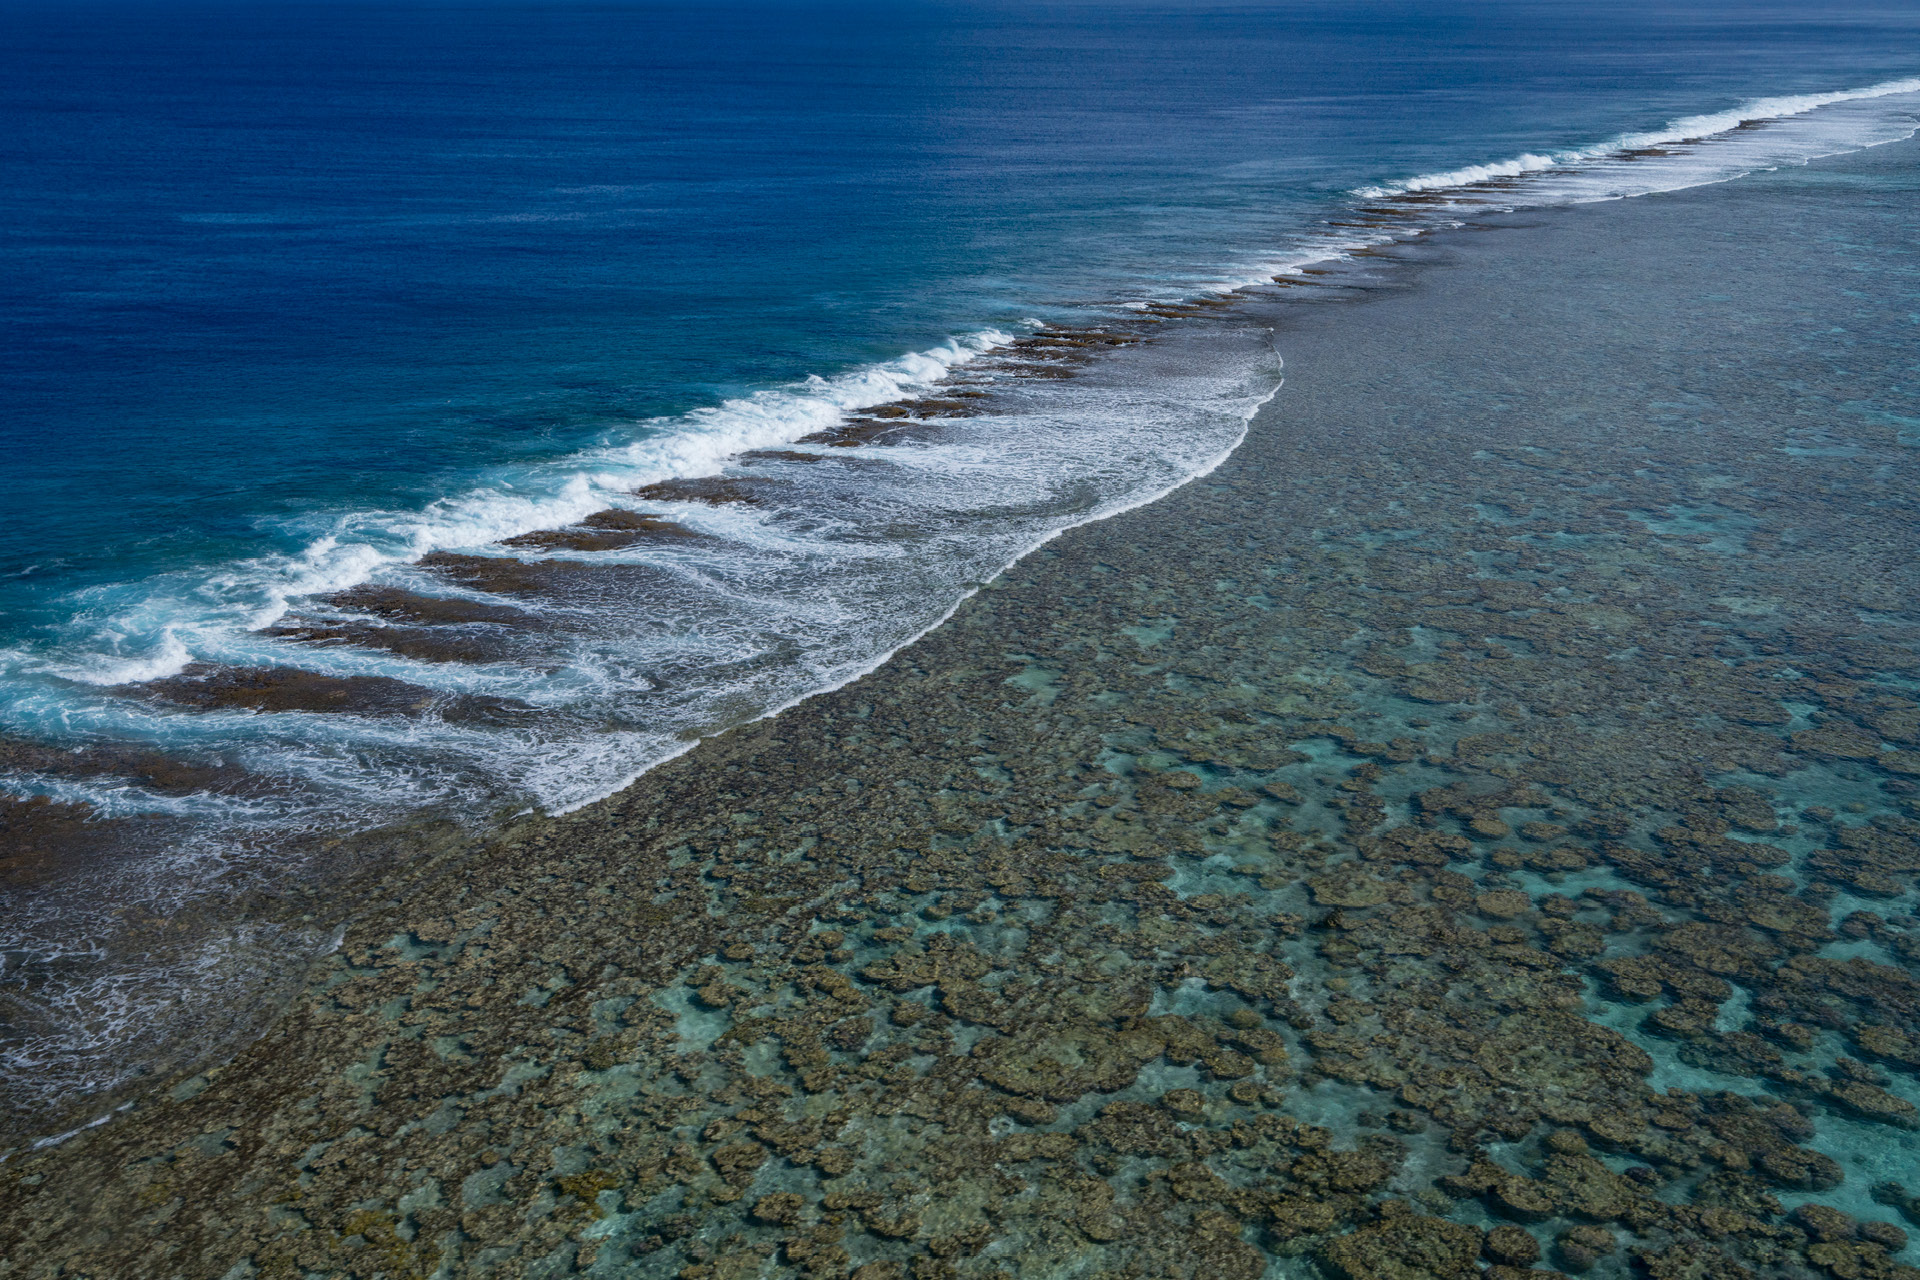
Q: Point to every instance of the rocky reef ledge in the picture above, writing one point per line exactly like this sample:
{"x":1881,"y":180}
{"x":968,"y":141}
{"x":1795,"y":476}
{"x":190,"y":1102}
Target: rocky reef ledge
{"x":1476,"y":829}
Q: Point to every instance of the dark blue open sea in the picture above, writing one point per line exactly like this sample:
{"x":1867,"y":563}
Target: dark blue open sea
{"x":324,"y":328}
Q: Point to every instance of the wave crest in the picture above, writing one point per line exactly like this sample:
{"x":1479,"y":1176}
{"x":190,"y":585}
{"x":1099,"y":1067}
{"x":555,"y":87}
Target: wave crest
{"x":1686,"y":129}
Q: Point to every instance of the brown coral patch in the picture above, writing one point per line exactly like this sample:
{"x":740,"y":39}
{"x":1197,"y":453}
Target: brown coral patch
{"x":609,"y":530}
{"x":203,"y":687}
{"x":1063,"y":1064}
{"x":408,"y":606}
{"x":422,"y":644}
{"x":1408,"y":1247}
{"x":504,"y":575}
{"x":711,"y":490}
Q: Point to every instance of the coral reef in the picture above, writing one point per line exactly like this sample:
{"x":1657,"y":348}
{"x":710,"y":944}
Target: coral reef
{"x":1437,"y":840}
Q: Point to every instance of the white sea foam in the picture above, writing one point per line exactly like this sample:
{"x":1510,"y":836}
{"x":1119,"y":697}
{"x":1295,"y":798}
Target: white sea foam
{"x":1470,"y":174}
{"x":1226,"y":401}
{"x":95,"y":1028}
{"x":1760,"y":110}
{"x":1778,"y":148}
{"x":174,"y":621}
{"x":1696,"y":150}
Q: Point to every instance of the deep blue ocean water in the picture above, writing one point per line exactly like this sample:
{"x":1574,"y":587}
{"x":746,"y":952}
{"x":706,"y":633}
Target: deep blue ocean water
{"x":267,"y":262}
{"x":295,"y":294}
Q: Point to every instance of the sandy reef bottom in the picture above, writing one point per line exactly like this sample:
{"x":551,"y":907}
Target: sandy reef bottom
{"x":1475,"y":827}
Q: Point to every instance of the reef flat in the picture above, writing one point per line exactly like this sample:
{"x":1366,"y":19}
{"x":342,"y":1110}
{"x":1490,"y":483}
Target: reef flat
{"x":1474,"y":827}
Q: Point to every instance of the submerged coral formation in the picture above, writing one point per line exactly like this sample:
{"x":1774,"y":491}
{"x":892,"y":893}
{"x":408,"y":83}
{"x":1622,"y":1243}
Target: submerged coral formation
{"x":1475,"y":829}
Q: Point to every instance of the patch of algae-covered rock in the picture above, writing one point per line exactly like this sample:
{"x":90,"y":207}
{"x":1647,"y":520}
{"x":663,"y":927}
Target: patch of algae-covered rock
{"x":1406,"y":1247}
{"x":1418,"y":863}
{"x":1065,"y":1064}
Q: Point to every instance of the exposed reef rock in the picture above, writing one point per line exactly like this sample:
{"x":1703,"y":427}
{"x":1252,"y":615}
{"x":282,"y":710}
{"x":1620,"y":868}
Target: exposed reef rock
{"x":407,"y":606}
{"x":608,"y":530}
{"x":211,"y":688}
